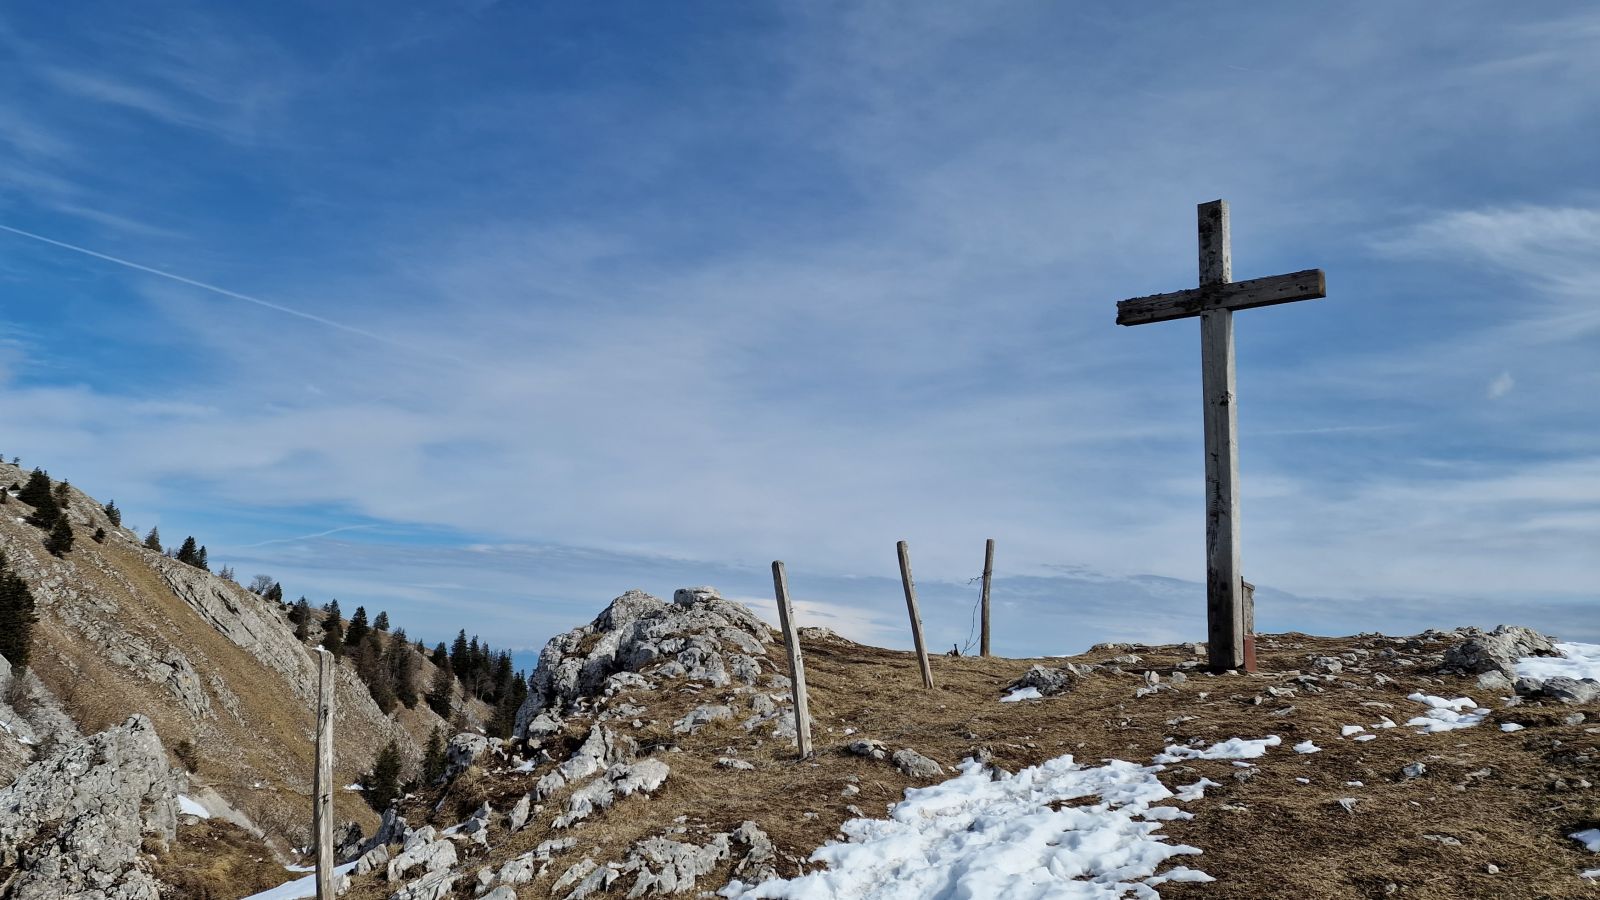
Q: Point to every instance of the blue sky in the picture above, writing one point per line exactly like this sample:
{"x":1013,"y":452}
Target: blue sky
{"x":515,"y":306}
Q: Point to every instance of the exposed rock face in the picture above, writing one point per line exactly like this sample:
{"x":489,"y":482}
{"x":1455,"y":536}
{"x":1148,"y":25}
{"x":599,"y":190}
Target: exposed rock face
{"x":698,"y":635}
{"x":1496,"y":651}
{"x":72,"y":825}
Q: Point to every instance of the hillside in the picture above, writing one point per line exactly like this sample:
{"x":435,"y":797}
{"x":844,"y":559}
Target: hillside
{"x":124,"y":630}
{"x":656,"y":759}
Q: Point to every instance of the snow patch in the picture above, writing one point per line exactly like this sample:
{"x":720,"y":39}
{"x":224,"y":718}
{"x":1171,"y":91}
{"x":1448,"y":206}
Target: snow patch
{"x":1307,"y":747}
{"x":1446,"y":715}
{"x":974,"y":836}
{"x":1578,"y":661}
{"x":191,"y":807}
{"x":1511,"y":726}
{"x":299,"y":889}
{"x":1590,"y":839}
{"x":1022,"y":693}
{"x":1232,"y":748}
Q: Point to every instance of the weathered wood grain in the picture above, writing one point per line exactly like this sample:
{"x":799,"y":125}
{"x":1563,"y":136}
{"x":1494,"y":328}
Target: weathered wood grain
{"x":1224,"y":607}
{"x":916,"y":616}
{"x":797,"y":666}
{"x":1310,"y":284}
{"x":322,"y":789}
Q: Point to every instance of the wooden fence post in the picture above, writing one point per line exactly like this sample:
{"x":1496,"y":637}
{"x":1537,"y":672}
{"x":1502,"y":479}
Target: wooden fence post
{"x":322,"y":786}
{"x":988,"y":572}
{"x":916,"y":617}
{"x":797,"y":666}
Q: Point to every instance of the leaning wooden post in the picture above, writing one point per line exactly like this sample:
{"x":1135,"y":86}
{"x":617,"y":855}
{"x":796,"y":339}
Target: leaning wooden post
{"x":322,"y":786}
{"x":797,"y":666}
{"x":988,"y":572}
{"x":916,"y":617}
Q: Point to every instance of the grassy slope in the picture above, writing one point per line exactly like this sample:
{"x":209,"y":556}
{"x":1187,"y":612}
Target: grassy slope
{"x":1268,"y":836}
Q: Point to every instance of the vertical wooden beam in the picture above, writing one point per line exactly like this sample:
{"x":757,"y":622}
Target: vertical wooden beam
{"x":988,"y":573}
{"x":322,"y":786}
{"x":1224,"y":603}
{"x":797,"y":665}
{"x":916,"y":616}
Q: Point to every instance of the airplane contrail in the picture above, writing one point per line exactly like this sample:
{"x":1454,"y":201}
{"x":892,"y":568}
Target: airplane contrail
{"x":276,"y":307}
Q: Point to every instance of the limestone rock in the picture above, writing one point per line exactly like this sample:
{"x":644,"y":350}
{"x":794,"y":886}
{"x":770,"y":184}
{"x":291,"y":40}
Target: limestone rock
{"x":872,"y":749}
{"x":1496,"y":651}
{"x":433,"y":886}
{"x":916,"y":765}
{"x":434,"y":856}
{"x":72,"y":824}
{"x":701,"y":716}
{"x":462,"y":751}
{"x":1047,"y":681}
{"x":698,"y":635}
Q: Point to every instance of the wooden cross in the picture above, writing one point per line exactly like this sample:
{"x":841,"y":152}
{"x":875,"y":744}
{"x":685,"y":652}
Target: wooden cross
{"x":1227,"y":625}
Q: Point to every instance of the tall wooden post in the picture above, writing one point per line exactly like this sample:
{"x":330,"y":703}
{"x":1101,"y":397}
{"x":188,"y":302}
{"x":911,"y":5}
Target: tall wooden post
{"x":916,"y":616}
{"x":988,"y":572}
{"x":1224,"y":603}
{"x":322,"y":786}
{"x":797,"y":666}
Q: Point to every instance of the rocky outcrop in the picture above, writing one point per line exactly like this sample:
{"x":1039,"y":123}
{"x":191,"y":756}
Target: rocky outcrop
{"x":698,"y":636}
{"x":1495,"y":651}
{"x":73,"y":824}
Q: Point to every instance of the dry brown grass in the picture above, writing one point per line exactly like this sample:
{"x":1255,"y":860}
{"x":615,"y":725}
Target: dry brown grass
{"x":213,"y":860}
{"x":1268,"y":836}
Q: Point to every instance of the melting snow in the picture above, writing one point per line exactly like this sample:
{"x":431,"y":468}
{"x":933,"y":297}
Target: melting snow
{"x":1511,"y":726}
{"x":1022,"y":693}
{"x":355,"y":787}
{"x":189,"y":807}
{"x":1578,"y":661}
{"x":1307,"y":747}
{"x":973,"y":836}
{"x":1589,"y":839}
{"x":299,"y":889}
{"x":1446,"y":715}
{"x":1233,"y":748}
{"x":1363,"y":738}
{"x":1348,"y":730}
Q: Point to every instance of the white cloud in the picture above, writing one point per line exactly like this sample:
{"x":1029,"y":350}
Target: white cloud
{"x":1501,"y":385}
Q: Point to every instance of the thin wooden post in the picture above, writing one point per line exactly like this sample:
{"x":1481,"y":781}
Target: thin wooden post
{"x":916,"y":617}
{"x":988,"y":572}
{"x":797,"y":665}
{"x":322,"y":787}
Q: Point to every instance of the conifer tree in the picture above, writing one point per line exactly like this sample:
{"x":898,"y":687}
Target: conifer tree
{"x":152,"y":541}
{"x":382,"y":621}
{"x":333,"y":630}
{"x":402,"y":661}
{"x":5,"y":497}
{"x":274,"y":593}
{"x":440,"y":698}
{"x":358,"y":628}
{"x":60,"y":540}
{"x":99,"y":535}
{"x":200,"y":562}
{"x":113,"y":514}
{"x":458,"y":652}
{"x":189,"y":553}
{"x":16,"y":617}
{"x":383,"y":785}
{"x":370,"y":667}
{"x":300,"y":615}
{"x":37,"y":490}
{"x":439,"y":656}
{"x":433,"y":757}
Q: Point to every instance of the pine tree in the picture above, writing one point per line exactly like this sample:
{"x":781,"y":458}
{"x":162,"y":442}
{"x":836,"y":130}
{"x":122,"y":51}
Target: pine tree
{"x":16,"y":617}
{"x":37,"y":490}
{"x":382,"y":621}
{"x":372,"y":670}
{"x":300,"y":615}
{"x":358,"y":628}
{"x":200,"y":562}
{"x":113,"y":514}
{"x":152,"y":541}
{"x":37,"y":494}
{"x":99,"y":535}
{"x":440,"y":698}
{"x":383,"y":785}
{"x":189,"y":553}
{"x":439,"y":656}
{"x":433,"y":757}
{"x":402,"y":661}
{"x":60,"y":540}
{"x":333,"y":630}
{"x":5,"y":497}
{"x":458,"y":652}
{"x":274,"y":593}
